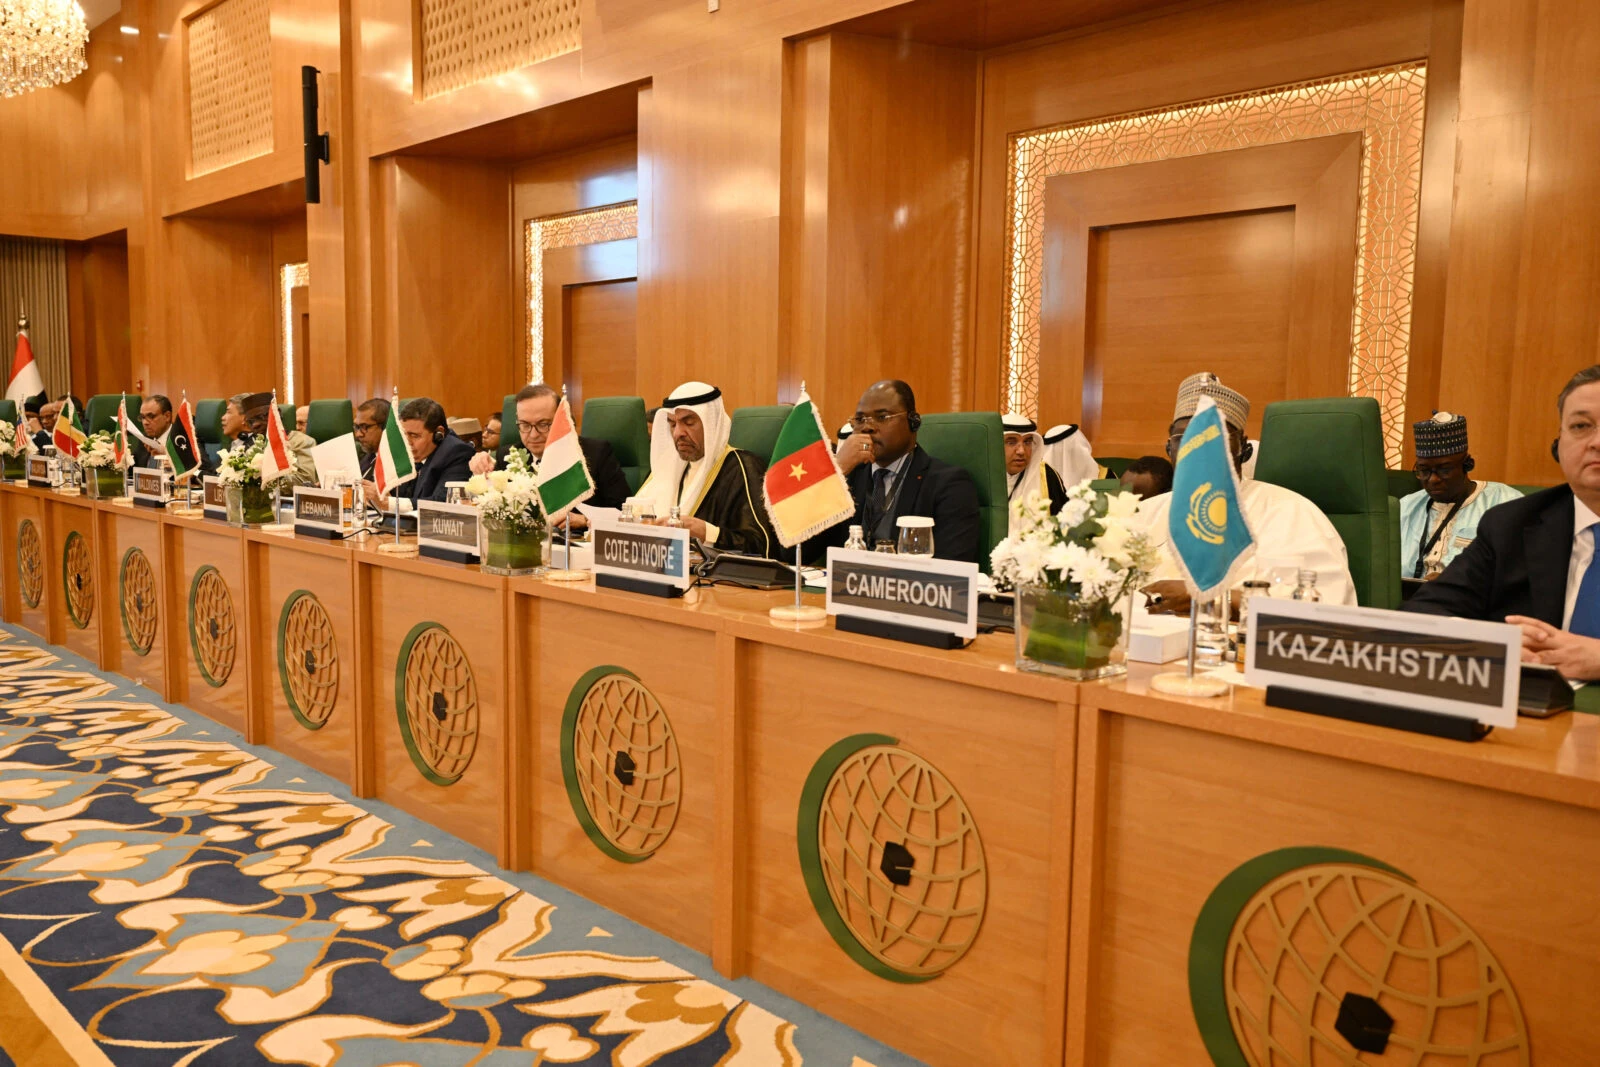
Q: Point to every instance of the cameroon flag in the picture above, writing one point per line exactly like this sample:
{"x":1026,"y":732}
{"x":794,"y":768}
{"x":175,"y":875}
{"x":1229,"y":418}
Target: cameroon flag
{"x":804,"y":491}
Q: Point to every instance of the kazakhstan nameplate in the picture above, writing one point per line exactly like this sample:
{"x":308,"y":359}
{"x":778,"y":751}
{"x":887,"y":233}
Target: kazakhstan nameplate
{"x":150,"y":487}
{"x":642,"y":558}
{"x":1455,"y":667}
{"x":447,"y":531}
{"x":915,"y":591}
{"x":318,"y":512}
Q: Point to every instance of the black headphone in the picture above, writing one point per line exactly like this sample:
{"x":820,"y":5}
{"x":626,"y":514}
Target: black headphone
{"x":1467,"y":465}
{"x":913,"y":421}
{"x":1247,"y":451}
{"x":439,"y":435}
{"x":1555,"y":450}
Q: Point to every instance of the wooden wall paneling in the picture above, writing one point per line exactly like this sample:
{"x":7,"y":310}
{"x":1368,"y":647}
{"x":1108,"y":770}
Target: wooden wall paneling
{"x":43,"y":140}
{"x":879,"y":188}
{"x":451,"y":268}
{"x":1183,"y":54}
{"x":1240,"y":262}
{"x":112,"y":178}
{"x":600,"y":340}
{"x":582,"y":267}
{"x":593,"y":176}
{"x":217,"y":295}
{"x":708,"y":231}
{"x":97,"y":295}
{"x":290,"y":240}
{"x":330,"y":376}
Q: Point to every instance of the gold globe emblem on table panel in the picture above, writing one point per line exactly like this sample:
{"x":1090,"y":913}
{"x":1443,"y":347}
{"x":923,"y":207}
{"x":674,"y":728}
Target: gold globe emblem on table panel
{"x":308,"y":659}
{"x":436,"y":700}
{"x":213,"y":632}
{"x":893,"y":859}
{"x":621,"y":764}
{"x":77,"y":575}
{"x":30,"y":563}
{"x":137,"y":583}
{"x":1335,"y":959}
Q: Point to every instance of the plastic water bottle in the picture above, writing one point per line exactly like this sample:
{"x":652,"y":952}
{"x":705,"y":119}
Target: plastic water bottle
{"x":1307,"y":587}
{"x":674,"y":517}
{"x":856,"y":540}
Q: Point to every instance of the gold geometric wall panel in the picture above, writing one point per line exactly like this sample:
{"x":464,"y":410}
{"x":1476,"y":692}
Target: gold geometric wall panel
{"x":467,"y":41}
{"x":1385,"y":106}
{"x":230,"y":84}
{"x":592,"y":226}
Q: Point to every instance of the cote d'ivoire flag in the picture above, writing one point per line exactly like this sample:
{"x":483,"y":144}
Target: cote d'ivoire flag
{"x":563,"y":475}
{"x":804,"y":491}
{"x":396,"y":465}
{"x":181,"y":448}
{"x":1205,"y":523}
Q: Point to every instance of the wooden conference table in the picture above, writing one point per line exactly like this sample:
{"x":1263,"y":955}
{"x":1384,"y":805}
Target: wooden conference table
{"x":669,"y":759}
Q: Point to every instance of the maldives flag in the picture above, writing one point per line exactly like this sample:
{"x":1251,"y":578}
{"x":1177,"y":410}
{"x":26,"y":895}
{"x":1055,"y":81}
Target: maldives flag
{"x":276,"y":459}
{"x":122,"y":455}
{"x":563,"y":475}
{"x":68,"y":436}
{"x":182,"y":450}
{"x":25,"y":380}
{"x":804,"y":491}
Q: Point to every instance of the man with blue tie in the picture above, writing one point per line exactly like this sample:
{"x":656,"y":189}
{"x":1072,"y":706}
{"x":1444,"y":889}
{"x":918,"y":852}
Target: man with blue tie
{"x":1533,"y":562}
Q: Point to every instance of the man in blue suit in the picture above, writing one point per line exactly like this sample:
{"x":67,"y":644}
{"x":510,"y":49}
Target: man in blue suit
{"x":441,"y":456}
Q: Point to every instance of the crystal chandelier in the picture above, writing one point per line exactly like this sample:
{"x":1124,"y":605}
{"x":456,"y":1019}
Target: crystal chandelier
{"x":41,"y":44}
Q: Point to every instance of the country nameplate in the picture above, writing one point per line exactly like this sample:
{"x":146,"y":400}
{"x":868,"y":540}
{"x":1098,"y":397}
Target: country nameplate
{"x":641,"y":558}
{"x":1459,"y":668}
{"x":917,"y":592}
{"x":214,"y":502}
{"x":39,"y":471}
{"x":150,"y":487}
{"x":318,"y":512}
{"x":447,"y":531}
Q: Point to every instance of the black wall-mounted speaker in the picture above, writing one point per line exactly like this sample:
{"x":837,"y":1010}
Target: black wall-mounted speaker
{"x":316,"y":143}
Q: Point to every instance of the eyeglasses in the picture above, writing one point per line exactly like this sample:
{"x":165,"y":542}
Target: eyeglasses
{"x":363,"y":427}
{"x":542,"y":426}
{"x":876,"y":418}
{"x":1443,"y":471}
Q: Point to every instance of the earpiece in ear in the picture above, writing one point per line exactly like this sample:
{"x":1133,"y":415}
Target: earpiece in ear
{"x":438,"y":435}
{"x":1246,"y":452}
{"x":1555,"y":450}
{"x":1467,"y":465}
{"x":914,"y":422}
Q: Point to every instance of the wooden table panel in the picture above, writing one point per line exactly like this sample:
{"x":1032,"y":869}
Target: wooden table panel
{"x":121,"y":531}
{"x":25,"y":506}
{"x":195,"y":545}
{"x":75,"y":610}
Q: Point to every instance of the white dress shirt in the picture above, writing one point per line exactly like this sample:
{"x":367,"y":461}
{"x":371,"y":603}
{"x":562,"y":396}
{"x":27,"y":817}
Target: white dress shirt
{"x":1582,"y":553}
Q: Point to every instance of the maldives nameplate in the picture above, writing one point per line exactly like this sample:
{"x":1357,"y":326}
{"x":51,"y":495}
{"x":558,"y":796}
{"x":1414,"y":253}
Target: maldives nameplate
{"x":918,"y":591}
{"x":636,"y":552}
{"x":1458,"y":667}
{"x":447,"y":531}
{"x":151,"y":487}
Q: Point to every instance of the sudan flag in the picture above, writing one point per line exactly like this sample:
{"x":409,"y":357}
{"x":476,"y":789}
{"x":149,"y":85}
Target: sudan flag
{"x":181,"y":447}
{"x":805,"y":493}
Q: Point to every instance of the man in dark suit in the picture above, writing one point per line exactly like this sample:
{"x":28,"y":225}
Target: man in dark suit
{"x":889,"y":476}
{"x":1532,"y":563}
{"x":536,"y":407}
{"x":440,"y":455}
{"x":155,"y":420}
{"x":371,"y":417}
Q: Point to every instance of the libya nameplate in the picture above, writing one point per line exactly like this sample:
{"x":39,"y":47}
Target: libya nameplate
{"x":1457,"y":667}
{"x":213,"y":501}
{"x":917,"y":591}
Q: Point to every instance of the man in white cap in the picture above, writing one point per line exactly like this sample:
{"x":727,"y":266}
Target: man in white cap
{"x":1067,"y":450}
{"x":1441,"y":518}
{"x":1286,"y":525}
{"x":715,"y":487}
{"x":1027,"y":473}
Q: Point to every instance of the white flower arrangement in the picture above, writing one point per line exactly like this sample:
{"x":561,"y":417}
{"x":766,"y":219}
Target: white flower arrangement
{"x":242,"y":465}
{"x":1091,"y":550}
{"x":509,"y":498}
{"x":14,"y":442}
{"x":100,"y":450}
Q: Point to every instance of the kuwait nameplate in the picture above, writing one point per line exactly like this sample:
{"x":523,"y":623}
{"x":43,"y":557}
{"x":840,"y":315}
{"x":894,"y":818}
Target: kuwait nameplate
{"x":1394,"y":668}
{"x":318,"y":512}
{"x":447,"y":531}
{"x":909,"y":598}
{"x":150,"y":487}
{"x":641,"y":558}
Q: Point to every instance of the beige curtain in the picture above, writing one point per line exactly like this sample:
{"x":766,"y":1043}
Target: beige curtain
{"x":33,"y":279}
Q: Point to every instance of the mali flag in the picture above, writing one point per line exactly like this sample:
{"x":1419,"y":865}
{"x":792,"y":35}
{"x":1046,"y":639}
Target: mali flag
{"x":1205,"y":524}
{"x":804,"y":491}
{"x":68,"y":436}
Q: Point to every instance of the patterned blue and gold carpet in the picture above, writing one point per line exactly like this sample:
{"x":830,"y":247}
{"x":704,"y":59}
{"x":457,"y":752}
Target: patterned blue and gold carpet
{"x":169,"y":896}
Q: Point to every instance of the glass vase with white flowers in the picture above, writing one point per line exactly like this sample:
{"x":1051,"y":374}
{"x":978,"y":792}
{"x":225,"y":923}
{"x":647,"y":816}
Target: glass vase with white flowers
{"x":1074,"y":574}
{"x":15,"y":444}
{"x":103,"y":476}
{"x":247,"y":496}
{"x":514,"y":524}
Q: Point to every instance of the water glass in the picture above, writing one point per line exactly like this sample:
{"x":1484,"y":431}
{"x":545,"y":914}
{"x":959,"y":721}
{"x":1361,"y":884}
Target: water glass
{"x":916,"y":536}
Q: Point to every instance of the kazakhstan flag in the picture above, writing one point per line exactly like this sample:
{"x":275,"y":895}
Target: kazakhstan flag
{"x":1205,"y":522}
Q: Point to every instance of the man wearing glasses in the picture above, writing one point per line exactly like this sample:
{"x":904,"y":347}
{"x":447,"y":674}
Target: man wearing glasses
{"x":371,"y":418}
{"x":1441,"y":518}
{"x":536,"y":408}
{"x":890,"y":476}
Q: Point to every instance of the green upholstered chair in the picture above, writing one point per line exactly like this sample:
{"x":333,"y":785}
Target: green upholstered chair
{"x":1402,"y":483}
{"x":619,"y":421}
{"x":328,"y":419}
{"x":100,"y":413}
{"x":1331,"y":452}
{"x":8,"y":410}
{"x":508,"y":420}
{"x":1529,"y":490}
{"x":974,"y":441}
{"x":755,"y":429}
{"x":1106,"y":485}
{"x":1114,"y":465}
{"x":286,"y":413}
{"x":208,"y":426}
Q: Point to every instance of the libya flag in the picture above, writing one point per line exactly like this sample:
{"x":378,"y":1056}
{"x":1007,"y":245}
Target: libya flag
{"x":563,"y":475}
{"x":804,"y":491}
{"x":182,"y":451}
{"x":396,"y":465}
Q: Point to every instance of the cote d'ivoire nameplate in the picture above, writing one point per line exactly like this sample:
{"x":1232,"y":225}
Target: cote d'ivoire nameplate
{"x":213,"y":501}
{"x":150,"y":487}
{"x":447,"y":531}
{"x":916,"y":591}
{"x":318,"y":512}
{"x":1456,"y":667}
{"x":635,"y":552}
